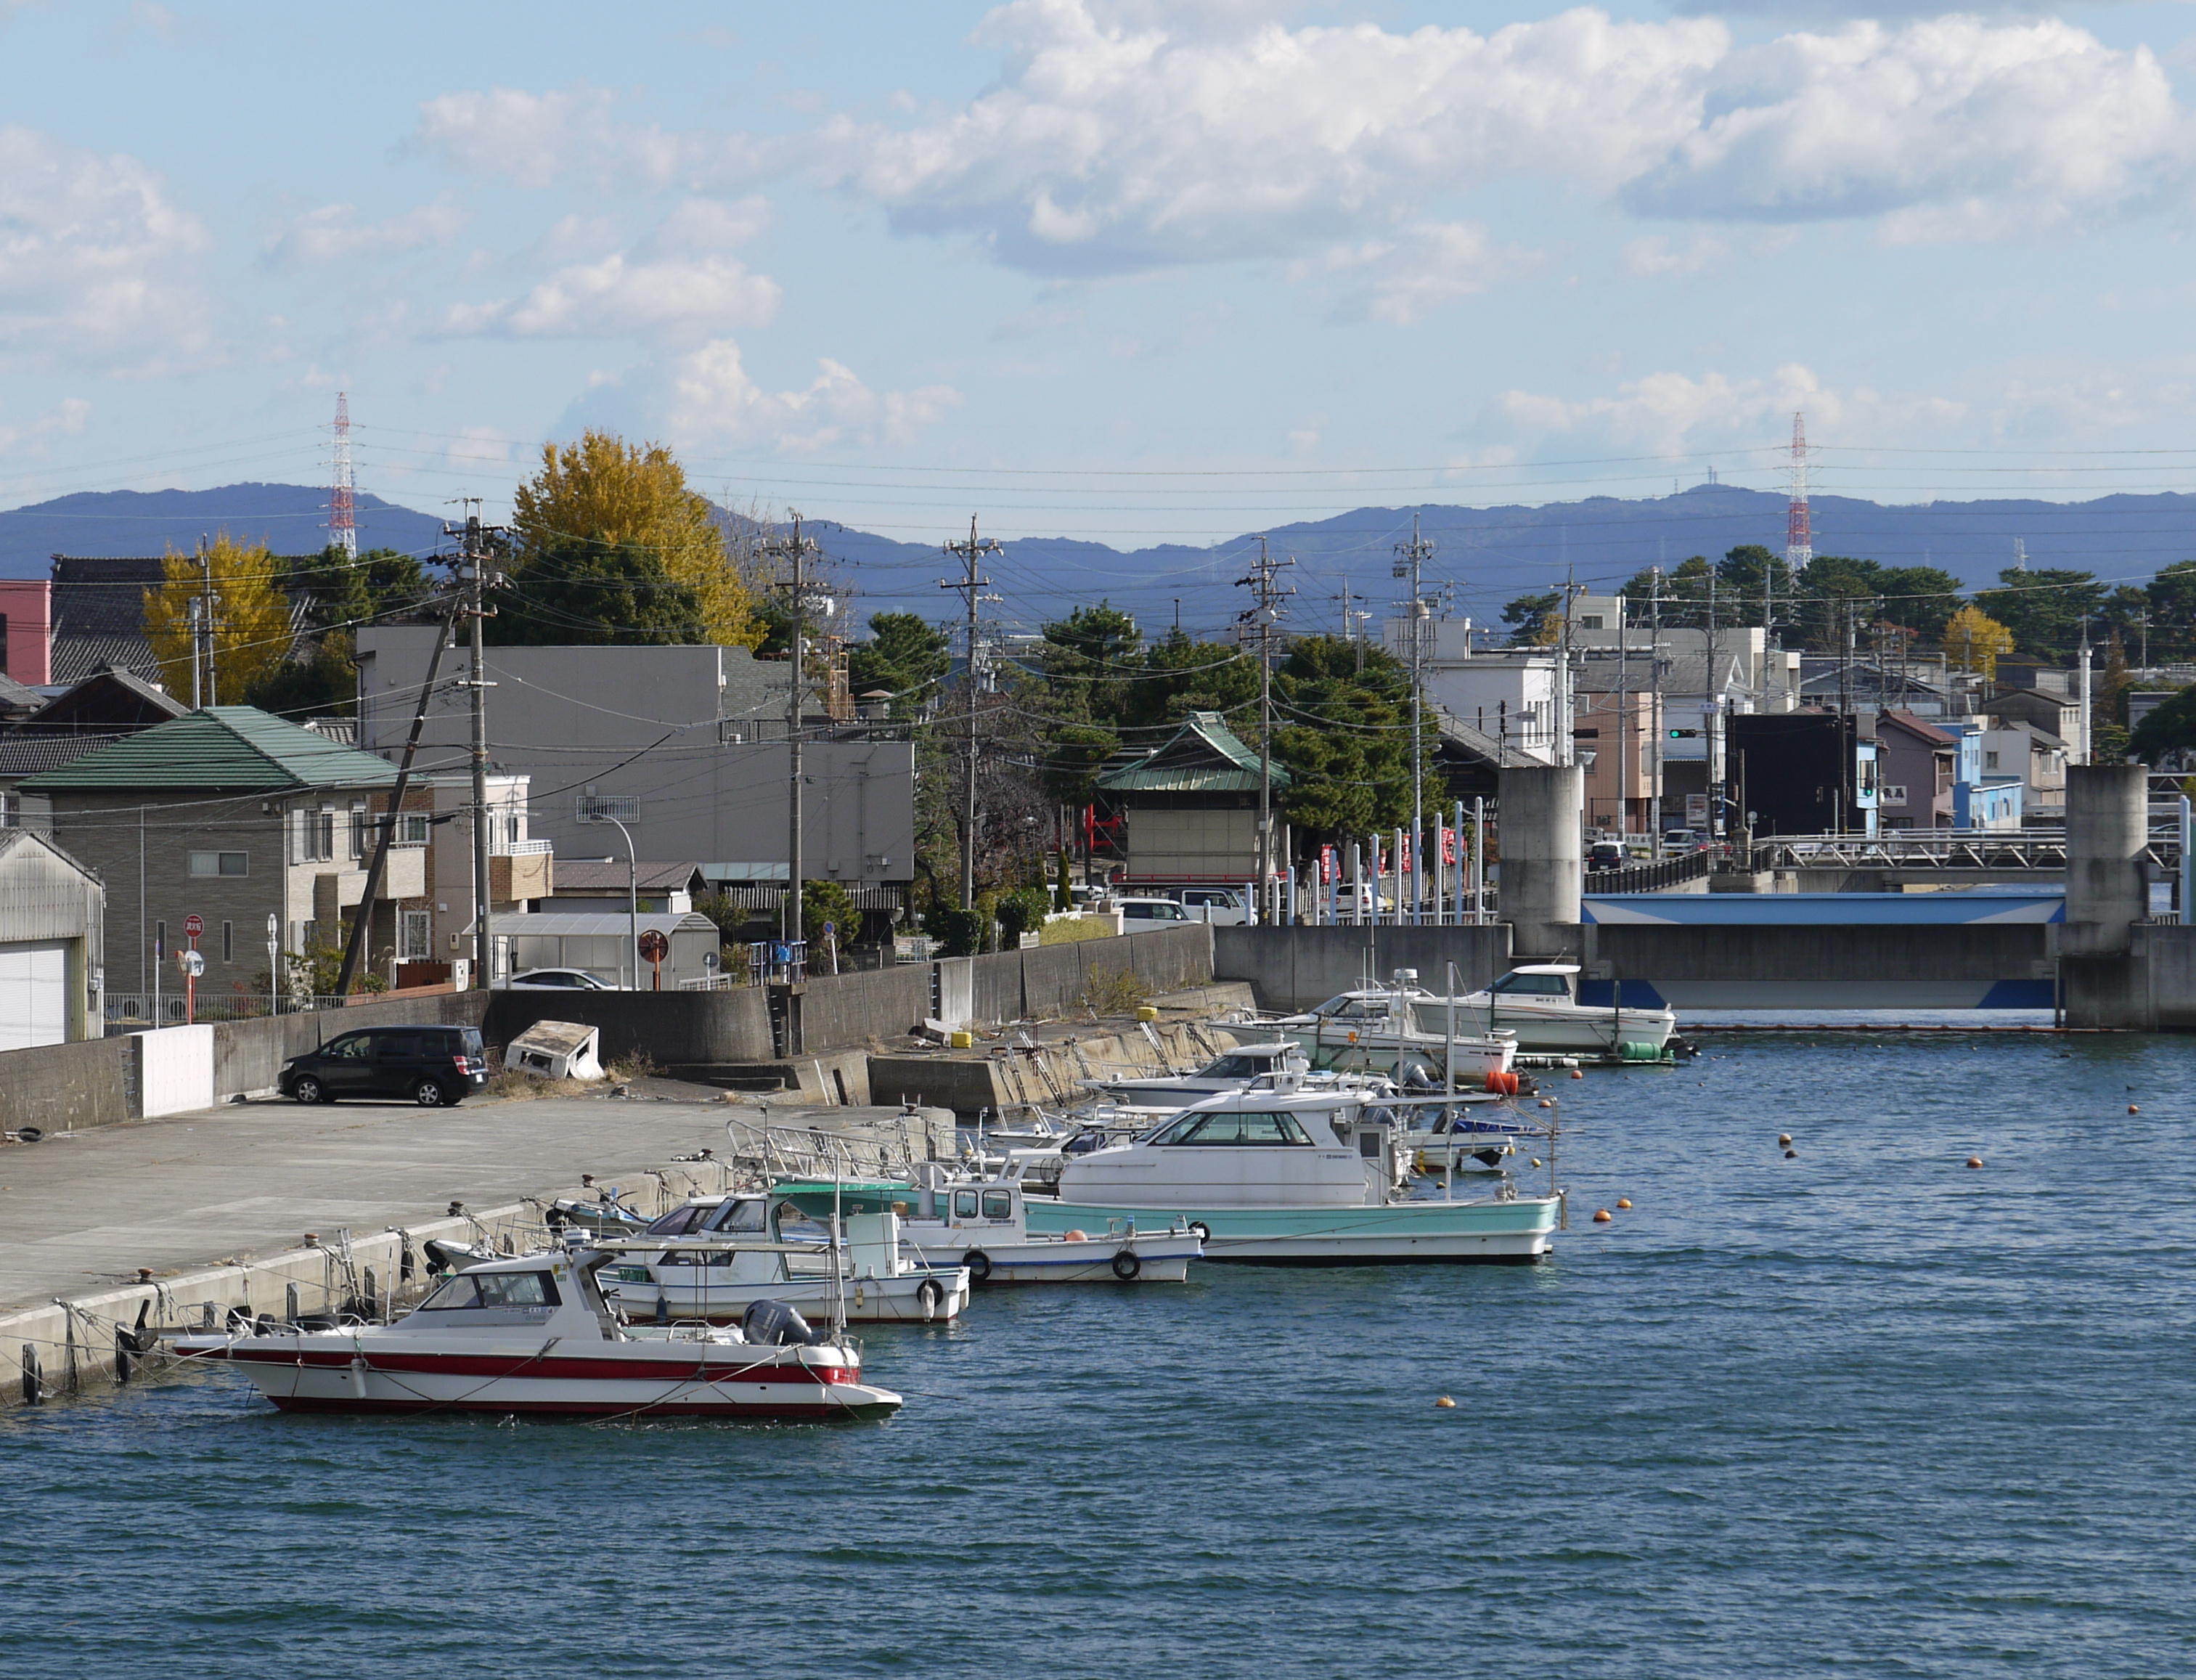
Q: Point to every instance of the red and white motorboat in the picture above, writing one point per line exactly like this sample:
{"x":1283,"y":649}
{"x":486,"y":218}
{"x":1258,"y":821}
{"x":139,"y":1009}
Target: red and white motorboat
{"x":534,"y":1334}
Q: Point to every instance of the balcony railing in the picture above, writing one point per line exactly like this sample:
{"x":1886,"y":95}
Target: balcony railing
{"x":525,"y":848}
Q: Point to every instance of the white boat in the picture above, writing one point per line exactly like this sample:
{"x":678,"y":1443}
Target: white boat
{"x":1539,"y":1003}
{"x":1466,"y":1133}
{"x":536,"y":1334}
{"x":1291,"y":1176}
{"x":982,"y":1227}
{"x":710,"y":1259}
{"x":1387,"y":1030}
{"x":1230,"y":1070}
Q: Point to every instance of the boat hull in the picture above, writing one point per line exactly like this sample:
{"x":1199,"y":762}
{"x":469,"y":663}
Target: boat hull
{"x":1570,"y":1030}
{"x":1517,"y":1233}
{"x":902,"y":1299}
{"x":1058,"y":1260}
{"x":763,"y":1384}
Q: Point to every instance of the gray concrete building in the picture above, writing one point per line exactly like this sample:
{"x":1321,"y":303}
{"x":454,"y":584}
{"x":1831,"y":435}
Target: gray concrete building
{"x":686,"y":746}
{"x":51,"y":927}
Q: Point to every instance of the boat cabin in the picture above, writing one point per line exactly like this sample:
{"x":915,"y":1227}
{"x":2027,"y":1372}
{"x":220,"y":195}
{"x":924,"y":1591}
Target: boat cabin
{"x":1550,"y":981}
{"x":1250,"y":1061}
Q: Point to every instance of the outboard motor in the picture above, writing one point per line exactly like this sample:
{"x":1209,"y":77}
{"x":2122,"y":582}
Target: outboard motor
{"x":772,"y":1323}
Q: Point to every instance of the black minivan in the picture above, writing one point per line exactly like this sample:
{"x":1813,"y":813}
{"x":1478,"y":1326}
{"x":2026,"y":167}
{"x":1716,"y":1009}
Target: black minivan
{"x":433,"y":1065}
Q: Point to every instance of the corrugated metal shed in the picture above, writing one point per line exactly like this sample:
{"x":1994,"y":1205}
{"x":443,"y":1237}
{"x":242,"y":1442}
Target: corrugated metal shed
{"x":45,"y":893}
{"x":224,"y":748}
{"x":1204,"y":756}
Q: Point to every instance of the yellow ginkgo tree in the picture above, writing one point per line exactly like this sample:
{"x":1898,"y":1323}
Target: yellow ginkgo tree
{"x":1973,"y":640}
{"x":241,"y":587}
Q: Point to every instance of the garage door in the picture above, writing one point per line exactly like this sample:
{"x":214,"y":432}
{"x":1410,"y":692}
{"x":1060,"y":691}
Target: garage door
{"x":34,"y":994}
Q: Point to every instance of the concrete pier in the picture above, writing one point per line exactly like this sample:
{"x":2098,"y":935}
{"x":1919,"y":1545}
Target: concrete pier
{"x":1543,"y":858}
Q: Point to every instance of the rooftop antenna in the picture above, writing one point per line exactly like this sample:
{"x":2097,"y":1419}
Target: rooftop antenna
{"x":343,"y":520}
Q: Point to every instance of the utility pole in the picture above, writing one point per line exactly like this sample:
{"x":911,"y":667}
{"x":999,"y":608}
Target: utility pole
{"x":794,"y":551}
{"x":476,"y":542}
{"x":1264,"y":578}
{"x":971,"y":585}
{"x":1411,"y":558}
{"x":1655,"y":676}
{"x":202,"y":633}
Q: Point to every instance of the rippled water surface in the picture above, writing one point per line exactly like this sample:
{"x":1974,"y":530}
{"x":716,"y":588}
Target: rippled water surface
{"x":1865,"y":1412}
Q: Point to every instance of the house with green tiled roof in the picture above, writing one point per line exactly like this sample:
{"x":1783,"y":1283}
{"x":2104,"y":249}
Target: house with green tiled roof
{"x":244,"y":819}
{"x":1189,"y":806}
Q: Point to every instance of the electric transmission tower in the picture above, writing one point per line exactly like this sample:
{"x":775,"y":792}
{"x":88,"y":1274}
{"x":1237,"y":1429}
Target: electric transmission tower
{"x":971,"y":583}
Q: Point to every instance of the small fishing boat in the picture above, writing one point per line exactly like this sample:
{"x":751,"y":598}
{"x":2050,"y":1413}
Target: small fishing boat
{"x":982,"y":1226}
{"x":1230,"y":1070}
{"x":710,"y":1259}
{"x":536,"y":1334}
{"x":1539,"y":1003}
{"x":1459,"y":1134}
{"x":1282,"y":1175}
{"x":1388,"y":1029}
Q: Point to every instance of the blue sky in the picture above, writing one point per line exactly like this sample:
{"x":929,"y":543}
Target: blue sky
{"x":1099,"y":268}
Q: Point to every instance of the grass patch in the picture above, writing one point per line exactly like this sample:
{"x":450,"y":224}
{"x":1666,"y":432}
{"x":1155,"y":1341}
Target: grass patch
{"x":1072,"y":932}
{"x":1120,"y":992}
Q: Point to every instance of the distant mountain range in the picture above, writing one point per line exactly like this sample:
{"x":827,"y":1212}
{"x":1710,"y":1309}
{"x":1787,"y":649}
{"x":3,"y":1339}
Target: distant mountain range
{"x":289,"y":518}
{"x":1490,"y":554}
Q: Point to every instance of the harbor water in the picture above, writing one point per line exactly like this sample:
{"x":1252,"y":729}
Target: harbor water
{"x":1866,"y":1411}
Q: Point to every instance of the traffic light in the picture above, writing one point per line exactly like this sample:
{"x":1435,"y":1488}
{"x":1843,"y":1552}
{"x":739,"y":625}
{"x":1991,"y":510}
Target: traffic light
{"x":1684,"y":734}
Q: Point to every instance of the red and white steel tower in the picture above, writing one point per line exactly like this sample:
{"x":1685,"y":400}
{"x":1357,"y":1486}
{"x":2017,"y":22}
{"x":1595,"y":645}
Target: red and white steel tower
{"x":343,"y":520}
{"x":1799,"y":532}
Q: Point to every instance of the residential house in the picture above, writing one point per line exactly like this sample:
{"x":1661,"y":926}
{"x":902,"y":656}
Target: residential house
{"x":1189,"y":806}
{"x":103,"y":707}
{"x":686,"y":746}
{"x":2034,"y":758}
{"x":1919,"y":767}
{"x":1510,"y":696}
{"x":2045,"y":709}
{"x":583,"y":884}
{"x":51,"y":938}
{"x":1615,"y":736}
{"x":258,"y":827}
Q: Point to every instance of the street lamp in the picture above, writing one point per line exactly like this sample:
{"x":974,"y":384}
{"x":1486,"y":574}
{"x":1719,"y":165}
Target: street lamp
{"x":632,"y":901}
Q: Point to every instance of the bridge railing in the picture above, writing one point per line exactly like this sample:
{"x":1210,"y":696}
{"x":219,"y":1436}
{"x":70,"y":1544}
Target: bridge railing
{"x":2043,"y":851}
{"x":1656,"y":877}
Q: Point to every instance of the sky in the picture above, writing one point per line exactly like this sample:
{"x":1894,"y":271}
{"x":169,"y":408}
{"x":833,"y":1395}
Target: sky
{"x":1119,"y":269}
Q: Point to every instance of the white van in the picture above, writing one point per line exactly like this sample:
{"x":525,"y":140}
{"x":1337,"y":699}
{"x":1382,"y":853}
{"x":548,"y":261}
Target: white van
{"x":1139,"y":913}
{"x":1222,"y":906}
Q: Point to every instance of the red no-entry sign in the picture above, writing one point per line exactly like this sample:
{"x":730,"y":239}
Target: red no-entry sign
{"x":194,"y":925}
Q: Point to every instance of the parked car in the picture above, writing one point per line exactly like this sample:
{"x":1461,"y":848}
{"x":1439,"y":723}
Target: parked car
{"x":1151,"y":911}
{"x":1604,"y":855}
{"x":1222,"y":906}
{"x":433,"y":1065}
{"x":557,"y":979}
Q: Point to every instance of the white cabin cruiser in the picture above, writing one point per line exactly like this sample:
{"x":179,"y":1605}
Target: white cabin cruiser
{"x":982,"y":1227}
{"x":1229,"y":1070}
{"x":1388,"y":1029}
{"x":710,"y":1259}
{"x":536,"y":1334}
{"x":1539,"y":1003}
{"x":1296,"y":1177}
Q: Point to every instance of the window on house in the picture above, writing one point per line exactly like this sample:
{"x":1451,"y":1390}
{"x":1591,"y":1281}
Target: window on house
{"x":358,"y":829}
{"x":1990,"y":760}
{"x":415,"y":937}
{"x":159,"y":938}
{"x":221,"y":863}
{"x":413,"y":831}
{"x":1590,"y":621}
{"x":510,"y":830}
{"x":595,"y":807}
{"x":228,"y":942}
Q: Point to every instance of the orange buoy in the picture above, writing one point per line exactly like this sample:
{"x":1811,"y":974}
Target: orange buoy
{"x":1784,"y":1139}
{"x":1623,"y":1201}
{"x":1578,"y":1073}
{"x":1974,"y":1160}
{"x":1445,"y":1403}
{"x":1536,"y":1160}
{"x":1603,"y":1217}
{"x":1074,"y":1237}
{"x":1545,"y":1103}
{"x":2132,"y":1108}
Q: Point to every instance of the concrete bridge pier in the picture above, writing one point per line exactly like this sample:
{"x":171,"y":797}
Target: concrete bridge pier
{"x":1543,"y":858}
{"x":2102,"y":980}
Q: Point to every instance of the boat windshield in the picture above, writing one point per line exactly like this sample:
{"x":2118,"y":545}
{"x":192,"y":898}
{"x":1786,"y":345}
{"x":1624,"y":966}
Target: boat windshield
{"x":680,"y":1220}
{"x":1541,"y":985}
{"x":1235,"y":1129}
{"x":1237,"y":1066}
{"x":745,"y":1213}
{"x":1347,"y":1009}
{"x":492,"y":1289}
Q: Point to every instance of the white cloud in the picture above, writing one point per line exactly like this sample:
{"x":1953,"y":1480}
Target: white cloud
{"x":1951,"y":127}
{"x":1674,"y":413}
{"x":1402,"y":279}
{"x":65,"y":421}
{"x":681,"y":284}
{"x":1658,"y":257}
{"x":539,"y":139}
{"x":710,"y":398}
{"x":97,"y":264}
{"x":1117,"y":140}
{"x":336,"y":233}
